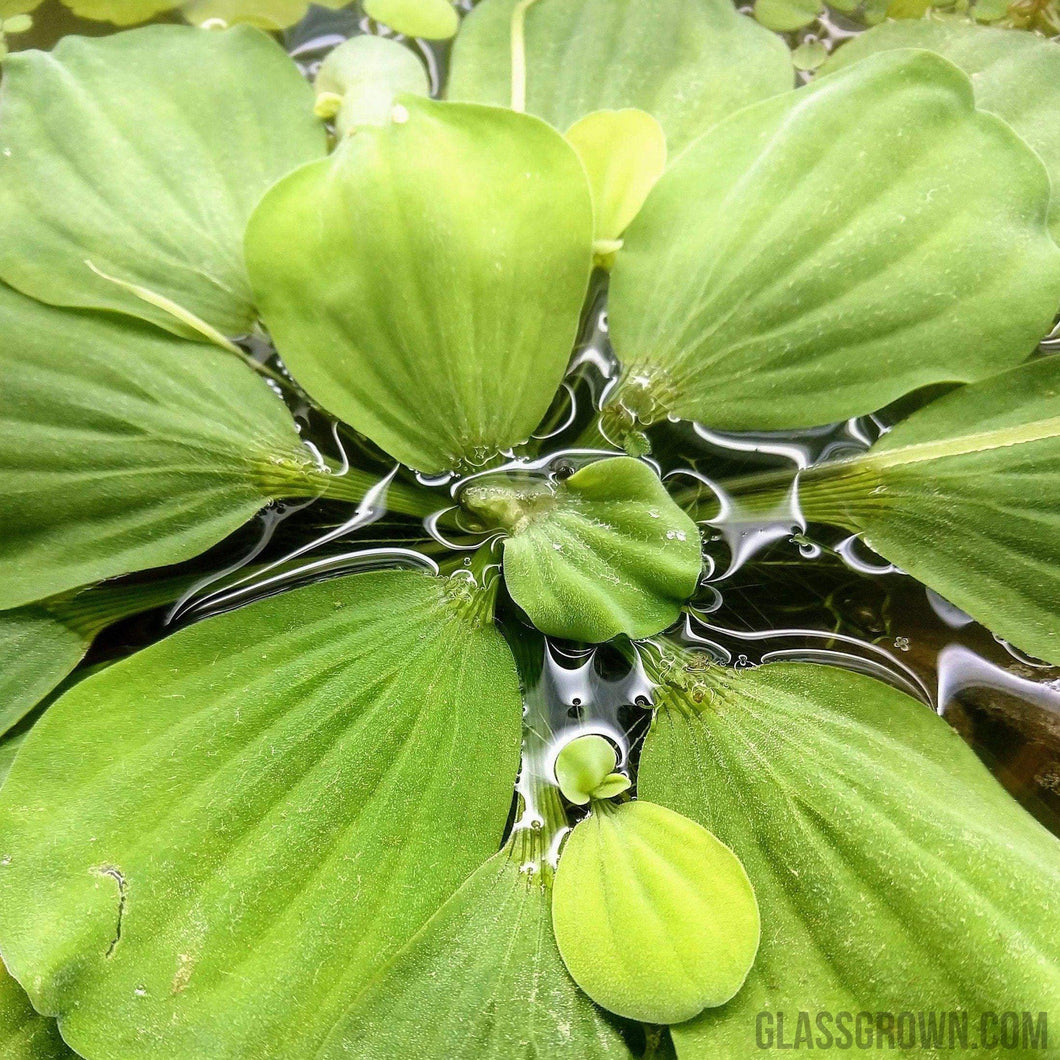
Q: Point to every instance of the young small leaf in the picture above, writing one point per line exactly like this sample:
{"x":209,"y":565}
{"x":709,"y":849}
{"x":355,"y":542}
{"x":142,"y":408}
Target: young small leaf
{"x":1015,"y":75}
{"x":436,"y":310}
{"x":874,"y":217}
{"x":624,"y":154}
{"x":689,"y":63}
{"x":143,"y":153}
{"x":430,"y":19}
{"x":605,"y":552}
{"x":787,"y":15}
{"x":893,"y":872}
{"x":963,"y":496}
{"x":358,"y":81}
{"x":585,"y":769}
{"x":654,"y":917}
{"x":299,"y":784}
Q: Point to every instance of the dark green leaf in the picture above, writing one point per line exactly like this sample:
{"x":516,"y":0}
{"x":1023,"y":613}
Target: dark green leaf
{"x":822,"y":253}
{"x":892,"y":871}
{"x":122,"y":448}
{"x":688,"y":63}
{"x":436,"y":309}
{"x":144,"y":153}
{"x":964,"y":496}
{"x":482,"y":981}
{"x":210,"y":848}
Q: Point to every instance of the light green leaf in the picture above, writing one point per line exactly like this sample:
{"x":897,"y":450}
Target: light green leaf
{"x":786,"y":15}
{"x":436,"y":309}
{"x":820,"y":254}
{"x":9,"y":8}
{"x":809,"y":55}
{"x":655,"y":919}
{"x":963,"y":496}
{"x":624,"y":154}
{"x":294,"y":786}
{"x":143,"y":153}
{"x":123,"y":448}
{"x":120,"y":12}
{"x":430,"y":19}
{"x":10,"y":743}
{"x":1015,"y":75}
{"x":264,"y":14}
{"x":483,"y":980}
{"x":688,"y":63}
{"x":585,"y":769}
{"x":893,"y":873}
{"x":605,"y":552}
{"x":24,"y":1034}
{"x":15,"y":24}
{"x":359,"y":80}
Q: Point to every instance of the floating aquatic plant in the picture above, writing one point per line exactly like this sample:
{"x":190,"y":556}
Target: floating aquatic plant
{"x":286,"y":830}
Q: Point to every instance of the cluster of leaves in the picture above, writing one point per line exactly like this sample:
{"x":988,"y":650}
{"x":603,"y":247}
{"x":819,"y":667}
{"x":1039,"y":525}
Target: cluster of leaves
{"x":282,"y":831}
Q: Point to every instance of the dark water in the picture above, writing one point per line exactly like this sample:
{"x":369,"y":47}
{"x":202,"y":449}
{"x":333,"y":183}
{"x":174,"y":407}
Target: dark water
{"x":772,"y":588}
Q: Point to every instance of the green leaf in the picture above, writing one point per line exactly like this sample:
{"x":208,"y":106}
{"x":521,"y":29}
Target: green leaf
{"x":506,"y":994}
{"x":809,"y":55}
{"x":436,"y":310}
{"x":585,"y":769}
{"x":122,"y":448}
{"x":655,"y":919}
{"x":820,"y":254}
{"x":786,"y":15}
{"x":143,"y":153}
{"x":1015,"y":75}
{"x":15,"y":24}
{"x":430,"y":19}
{"x":892,"y":871}
{"x":120,"y":12}
{"x":689,"y":63}
{"x":264,"y":14}
{"x":624,"y":154}
{"x":963,"y":496}
{"x":24,"y":1034}
{"x":10,"y":743}
{"x":359,"y":80}
{"x":10,"y":8}
{"x":605,"y":552}
{"x":210,"y":848}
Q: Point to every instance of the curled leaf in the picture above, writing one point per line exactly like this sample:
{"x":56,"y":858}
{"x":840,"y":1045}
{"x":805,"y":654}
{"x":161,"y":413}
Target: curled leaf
{"x":655,"y":918}
{"x":605,"y":552}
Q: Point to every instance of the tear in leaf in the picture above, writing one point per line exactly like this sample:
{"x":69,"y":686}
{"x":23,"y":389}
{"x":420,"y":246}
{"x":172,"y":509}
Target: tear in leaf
{"x":297,"y":784}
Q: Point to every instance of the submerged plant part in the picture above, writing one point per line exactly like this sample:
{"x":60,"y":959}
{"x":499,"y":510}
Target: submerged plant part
{"x":333,"y":803}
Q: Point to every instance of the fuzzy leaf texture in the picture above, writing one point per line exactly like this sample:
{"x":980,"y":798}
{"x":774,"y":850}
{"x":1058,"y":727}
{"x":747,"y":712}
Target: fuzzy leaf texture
{"x":892,"y":871}
{"x":425,"y":283}
{"x":820,"y":254}
{"x":144,"y":154}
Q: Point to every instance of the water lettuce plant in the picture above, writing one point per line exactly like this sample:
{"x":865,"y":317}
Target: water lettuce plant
{"x":334,"y":821}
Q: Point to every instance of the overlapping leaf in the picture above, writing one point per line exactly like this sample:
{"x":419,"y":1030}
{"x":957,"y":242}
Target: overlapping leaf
{"x":425,"y":283}
{"x":822,"y":253}
{"x":963,"y":496}
{"x":143,"y":153}
{"x":605,"y":552}
{"x":893,"y":873}
{"x":24,"y":1033}
{"x":1015,"y":75}
{"x":688,"y":63}
{"x":122,"y":448}
{"x":506,"y":994}
{"x":294,"y":786}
